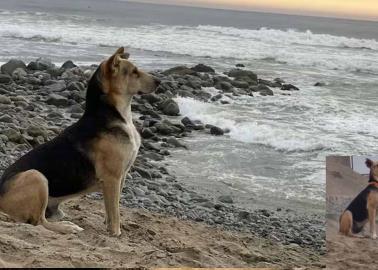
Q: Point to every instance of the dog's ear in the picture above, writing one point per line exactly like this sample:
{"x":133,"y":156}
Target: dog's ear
{"x":114,"y":60}
{"x":369,"y":163}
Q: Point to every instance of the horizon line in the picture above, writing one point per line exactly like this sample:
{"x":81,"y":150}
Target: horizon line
{"x":250,"y":10}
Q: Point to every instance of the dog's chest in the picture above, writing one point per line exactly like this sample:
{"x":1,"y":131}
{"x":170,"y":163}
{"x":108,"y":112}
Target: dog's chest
{"x":115,"y":151}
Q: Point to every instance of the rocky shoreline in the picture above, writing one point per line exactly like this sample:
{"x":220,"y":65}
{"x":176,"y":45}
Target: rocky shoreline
{"x":38,"y":100}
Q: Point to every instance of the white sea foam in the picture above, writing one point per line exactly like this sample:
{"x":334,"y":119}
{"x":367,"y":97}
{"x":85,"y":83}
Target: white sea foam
{"x":290,"y":46}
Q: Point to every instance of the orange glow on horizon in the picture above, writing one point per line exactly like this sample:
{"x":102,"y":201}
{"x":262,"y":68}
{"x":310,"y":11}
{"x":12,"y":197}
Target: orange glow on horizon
{"x":362,"y":9}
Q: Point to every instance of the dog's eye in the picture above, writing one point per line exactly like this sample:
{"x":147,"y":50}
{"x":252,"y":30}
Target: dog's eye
{"x":136,"y":72}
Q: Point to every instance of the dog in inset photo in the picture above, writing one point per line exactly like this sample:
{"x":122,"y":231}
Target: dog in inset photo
{"x":363,"y":208}
{"x":94,"y":154}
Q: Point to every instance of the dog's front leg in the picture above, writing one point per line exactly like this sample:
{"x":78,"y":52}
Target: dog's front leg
{"x":111,"y":190}
{"x":372,"y":211}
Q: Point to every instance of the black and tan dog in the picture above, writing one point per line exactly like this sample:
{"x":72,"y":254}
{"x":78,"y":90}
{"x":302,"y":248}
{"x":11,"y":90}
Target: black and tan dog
{"x":363,"y":208}
{"x":94,"y":154}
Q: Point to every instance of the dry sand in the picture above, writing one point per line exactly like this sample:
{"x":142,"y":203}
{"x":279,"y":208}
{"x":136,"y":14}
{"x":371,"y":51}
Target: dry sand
{"x":343,"y":184}
{"x":148,"y":240}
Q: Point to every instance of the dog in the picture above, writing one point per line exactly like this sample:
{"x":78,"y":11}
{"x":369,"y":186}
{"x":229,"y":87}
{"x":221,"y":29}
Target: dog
{"x":363,"y":208}
{"x":94,"y":154}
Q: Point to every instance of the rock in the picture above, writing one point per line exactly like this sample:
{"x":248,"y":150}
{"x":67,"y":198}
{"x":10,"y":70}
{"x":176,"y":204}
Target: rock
{"x":6,"y":118}
{"x":173,"y":141}
{"x":36,"y":131}
{"x":151,"y":98}
{"x":225,"y":86}
{"x":241,"y":73}
{"x":77,"y":108}
{"x":187,"y":122}
{"x":288,"y":87}
{"x":58,"y":86}
{"x":11,"y":66}
{"x":19,"y":73}
{"x":41,"y":64}
{"x":216,"y":97}
{"x":74,"y":86}
{"x":13,"y":135}
{"x":225,"y":199}
{"x":217,"y":131}
{"x":5,"y":100}
{"x":147,"y":133}
{"x":57,"y":100}
{"x":180,"y":70}
{"x":319,"y":84}
{"x":143,"y":172}
{"x":262,"y":89}
{"x":203,"y":68}
{"x":170,"y":107}
{"x":4,"y":78}
{"x":240,"y":84}
{"x":68,"y":64}
{"x":240,"y":65}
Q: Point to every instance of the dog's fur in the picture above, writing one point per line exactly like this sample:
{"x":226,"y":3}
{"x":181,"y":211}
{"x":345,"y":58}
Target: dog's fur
{"x":363,"y":208}
{"x":94,"y":154}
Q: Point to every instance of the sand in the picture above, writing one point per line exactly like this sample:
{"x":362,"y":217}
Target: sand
{"x":148,"y":240}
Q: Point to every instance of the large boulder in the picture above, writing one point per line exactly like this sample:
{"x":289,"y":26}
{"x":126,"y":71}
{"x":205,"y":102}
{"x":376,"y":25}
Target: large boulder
{"x":68,"y":64}
{"x":180,"y":70}
{"x":203,"y":68}
{"x":11,"y":66}
{"x":170,"y":107}
{"x":41,"y":64}
{"x":238,"y":73}
{"x":4,"y":78}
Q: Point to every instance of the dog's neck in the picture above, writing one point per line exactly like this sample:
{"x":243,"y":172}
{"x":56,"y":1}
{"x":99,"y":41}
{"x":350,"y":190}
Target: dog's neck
{"x":123,"y":106}
{"x":99,"y":105}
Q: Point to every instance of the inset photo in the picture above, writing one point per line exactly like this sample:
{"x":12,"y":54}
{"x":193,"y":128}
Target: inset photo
{"x":352,"y":202}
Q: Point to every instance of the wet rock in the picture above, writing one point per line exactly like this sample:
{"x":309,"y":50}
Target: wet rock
{"x":180,"y":70}
{"x":11,"y":66}
{"x":241,"y":73}
{"x":41,"y":64}
{"x":173,"y":141}
{"x":147,"y":133}
{"x":170,"y":107}
{"x":5,"y":78}
{"x":203,"y":68}
{"x":319,"y":84}
{"x":151,"y":98}
{"x":68,"y":64}
{"x":288,"y":87}
{"x":72,"y":86}
{"x":240,"y":65}
{"x":225,"y":86}
{"x":57,"y":100}
{"x":226,"y":199}
{"x":217,"y":131}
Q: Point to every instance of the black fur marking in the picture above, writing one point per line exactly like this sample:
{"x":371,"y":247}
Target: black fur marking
{"x":64,"y":161}
{"x":358,"y":206}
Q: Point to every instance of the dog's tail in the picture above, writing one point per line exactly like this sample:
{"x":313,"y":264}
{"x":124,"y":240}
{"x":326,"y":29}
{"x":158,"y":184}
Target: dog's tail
{"x":346,"y":223}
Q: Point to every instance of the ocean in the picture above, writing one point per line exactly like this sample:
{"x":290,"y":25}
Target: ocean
{"x":274,"y":155}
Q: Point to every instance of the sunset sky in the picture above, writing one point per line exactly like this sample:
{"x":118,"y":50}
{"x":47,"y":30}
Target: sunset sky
{"x":359,"y":9}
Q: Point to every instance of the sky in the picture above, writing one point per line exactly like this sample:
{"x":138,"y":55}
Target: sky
{"x":354,"y":9}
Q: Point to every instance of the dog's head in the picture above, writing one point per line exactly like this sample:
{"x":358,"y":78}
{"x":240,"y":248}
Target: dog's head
{"x":373,"y":166}
{"x":120,"y":77}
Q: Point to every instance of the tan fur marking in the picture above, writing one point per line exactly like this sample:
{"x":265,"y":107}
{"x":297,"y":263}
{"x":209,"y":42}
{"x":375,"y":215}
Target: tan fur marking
{"x":346,"y":222}
{"x":26,"y":198}
{"x":372,"y":205}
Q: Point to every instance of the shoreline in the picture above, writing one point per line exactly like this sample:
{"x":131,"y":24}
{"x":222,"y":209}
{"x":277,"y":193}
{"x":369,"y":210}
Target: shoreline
{"x":38,"y":101}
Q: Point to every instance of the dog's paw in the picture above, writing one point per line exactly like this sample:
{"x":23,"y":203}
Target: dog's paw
{"x":71,"y":227}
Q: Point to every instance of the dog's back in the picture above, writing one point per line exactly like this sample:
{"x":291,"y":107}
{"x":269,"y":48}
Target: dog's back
{"x":68,"y":172}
